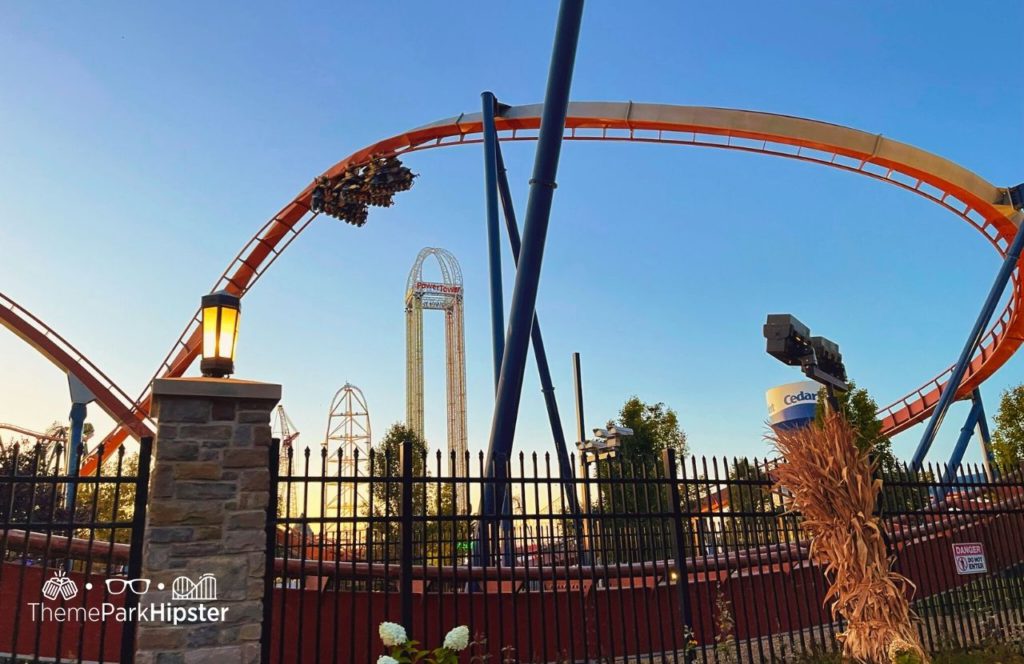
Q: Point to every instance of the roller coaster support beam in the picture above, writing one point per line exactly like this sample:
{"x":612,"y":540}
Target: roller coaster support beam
{"x":988,"y":458}
{"x":535,"y":228}
{"x":975,"y":420}
{"x":80,"y":398}
{"x":77,"y":417}
{"x":950,"y":389}
{"x":490,"y":135}
{"x":565,"y":469}
{"x":493,"y":234}
{"x":965,"y":438}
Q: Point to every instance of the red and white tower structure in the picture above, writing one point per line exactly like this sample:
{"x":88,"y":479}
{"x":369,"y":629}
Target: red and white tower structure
{"x":445,"y":296}
{"x":348,"y":441}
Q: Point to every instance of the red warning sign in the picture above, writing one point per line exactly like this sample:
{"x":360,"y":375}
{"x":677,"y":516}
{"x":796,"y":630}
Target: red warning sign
{"x":970,"y":558}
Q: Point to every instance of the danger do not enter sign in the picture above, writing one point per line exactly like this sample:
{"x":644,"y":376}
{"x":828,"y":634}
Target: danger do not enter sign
{"x":970,"y":558}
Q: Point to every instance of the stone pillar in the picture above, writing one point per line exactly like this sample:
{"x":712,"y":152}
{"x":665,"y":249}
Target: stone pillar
{"x":207,"y":515}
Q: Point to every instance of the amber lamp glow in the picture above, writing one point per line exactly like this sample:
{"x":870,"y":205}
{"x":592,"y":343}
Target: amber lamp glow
{"x":220,"y":313}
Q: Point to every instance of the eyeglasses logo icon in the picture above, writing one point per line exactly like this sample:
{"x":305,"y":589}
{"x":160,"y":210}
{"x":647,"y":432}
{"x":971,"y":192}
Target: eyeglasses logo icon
{"x":203,"y":590}
{"x":119,"y":586}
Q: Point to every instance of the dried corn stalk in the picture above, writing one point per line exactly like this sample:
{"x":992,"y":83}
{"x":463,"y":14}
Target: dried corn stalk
{"x":830,"y":482}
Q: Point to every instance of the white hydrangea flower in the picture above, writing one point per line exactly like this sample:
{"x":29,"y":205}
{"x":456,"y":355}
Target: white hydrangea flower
{"x":384,"y":659}
{"x":457,"y":639}
{"x":392,"y":634}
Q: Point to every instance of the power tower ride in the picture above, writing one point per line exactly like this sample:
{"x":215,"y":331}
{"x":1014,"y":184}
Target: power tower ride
{"x":284,"y":430}
{"x":348,"y":441}
{"x":445,"y":296}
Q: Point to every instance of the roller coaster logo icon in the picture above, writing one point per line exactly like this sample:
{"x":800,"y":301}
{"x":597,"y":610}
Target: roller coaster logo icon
{"x":203,"y":590}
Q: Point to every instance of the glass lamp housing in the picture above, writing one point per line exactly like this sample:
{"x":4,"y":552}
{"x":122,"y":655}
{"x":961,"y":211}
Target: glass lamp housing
{"x":220,"y":314}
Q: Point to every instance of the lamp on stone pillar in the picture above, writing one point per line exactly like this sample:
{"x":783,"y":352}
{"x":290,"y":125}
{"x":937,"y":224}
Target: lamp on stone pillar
{"x":220,"y":314}
{"x":207,"y":513}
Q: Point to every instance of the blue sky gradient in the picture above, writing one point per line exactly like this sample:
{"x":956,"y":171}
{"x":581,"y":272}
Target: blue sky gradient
{"x":143,"y":144}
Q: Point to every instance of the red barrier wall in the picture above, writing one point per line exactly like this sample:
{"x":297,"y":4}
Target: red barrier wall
{"x":594,"y":622}
{"x":23,"y":585}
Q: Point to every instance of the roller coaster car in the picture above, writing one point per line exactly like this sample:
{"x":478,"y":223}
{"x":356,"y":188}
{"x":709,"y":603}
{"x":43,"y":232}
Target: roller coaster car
{"x":317,"y":202}
{"x":351,"y":180}
{"x":319,"y":193}
{"x":353,"y":213}
{"x":380,"y":179}
{"x":391,"y":174}
{"x":374,"y":183}
{"x":358,"y":196}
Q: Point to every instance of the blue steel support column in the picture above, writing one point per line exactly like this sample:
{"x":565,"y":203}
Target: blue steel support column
{"x":565,"y":469}
{"x":949,"y":391}
{"x":538,"y":210}
{"x":80,"y":398}
{"x":988,"y":459}
{"x":961,"y":444}
{"x":494,"y":259}
{"x":77,"y":417}
{"x":493,"y":235}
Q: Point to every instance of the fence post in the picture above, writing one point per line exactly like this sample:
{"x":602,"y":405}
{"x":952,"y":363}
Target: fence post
{"x":405,"y":587}
{"x":205,"y":536}
{"x":682,"y":574}
{"x":268,"y":575}
{"x":131,"y":600}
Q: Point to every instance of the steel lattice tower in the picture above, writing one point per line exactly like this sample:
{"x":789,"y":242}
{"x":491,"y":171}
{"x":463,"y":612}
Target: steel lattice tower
{"x":348,"y":441}
{"x":445,"y":296}
{"x":288,"y":459}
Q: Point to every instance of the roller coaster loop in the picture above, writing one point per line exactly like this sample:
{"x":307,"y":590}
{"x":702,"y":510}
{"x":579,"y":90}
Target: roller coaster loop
{"x":981,"y":204}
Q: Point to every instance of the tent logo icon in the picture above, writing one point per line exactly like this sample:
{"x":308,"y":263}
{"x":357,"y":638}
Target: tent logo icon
{"x":203,"y":590}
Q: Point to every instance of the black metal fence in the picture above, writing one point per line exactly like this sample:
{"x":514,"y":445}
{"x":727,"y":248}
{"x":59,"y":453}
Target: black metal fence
{"x":67,"y":543}
{"x":669,"y":561}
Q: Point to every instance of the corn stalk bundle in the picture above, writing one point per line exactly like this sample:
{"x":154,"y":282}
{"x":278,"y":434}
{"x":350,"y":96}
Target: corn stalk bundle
{"x":831,"y":484}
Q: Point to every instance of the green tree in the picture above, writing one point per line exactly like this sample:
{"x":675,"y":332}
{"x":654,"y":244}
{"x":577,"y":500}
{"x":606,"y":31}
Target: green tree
{"x":435,"y":540}
{"x":860,"y":410}
{"x":446,"y":540}
{"x":385,"y":461}
{"x":655,"y":429}
{"x":1008,"y":437}
{"x":101,"y":501}
{"x":113,"y":502}
{"x":751,"y":504}
{"x":22,"y":498}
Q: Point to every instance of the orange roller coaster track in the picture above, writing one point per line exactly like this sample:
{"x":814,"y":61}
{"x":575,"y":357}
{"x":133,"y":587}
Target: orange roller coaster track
{"x":981,"y":204}
{"x":111,"y":398}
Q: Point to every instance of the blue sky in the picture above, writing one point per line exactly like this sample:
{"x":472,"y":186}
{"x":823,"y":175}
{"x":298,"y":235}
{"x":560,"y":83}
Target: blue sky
{"x":143,"y":144}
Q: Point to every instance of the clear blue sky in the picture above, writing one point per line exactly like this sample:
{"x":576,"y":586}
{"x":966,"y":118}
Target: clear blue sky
{"x":144,"y":143}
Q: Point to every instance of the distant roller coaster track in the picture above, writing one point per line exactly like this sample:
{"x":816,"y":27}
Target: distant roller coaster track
{"x":979,"y":203}
{"x":39,"y":436}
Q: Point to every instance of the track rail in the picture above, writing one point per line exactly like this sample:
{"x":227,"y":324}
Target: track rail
{"x":981,"y":204}
{"x":111,"y":398}
{"x":38,"y":435}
